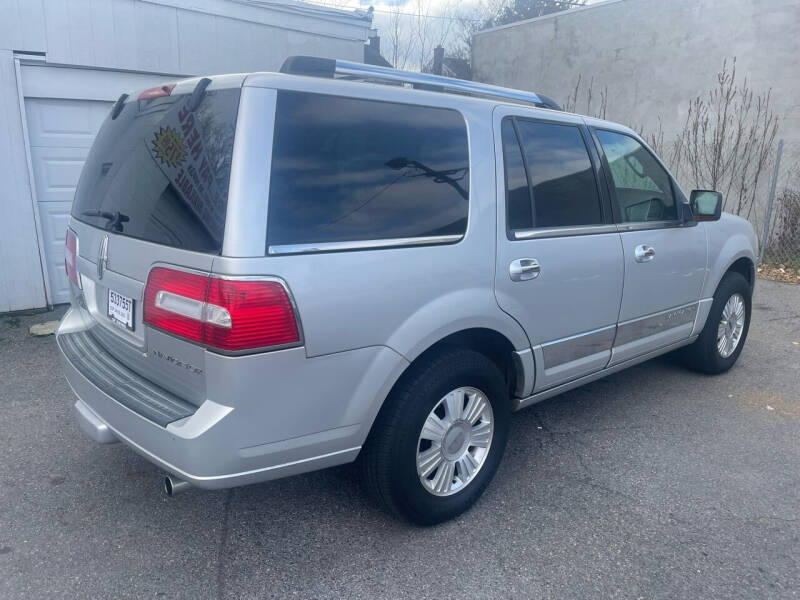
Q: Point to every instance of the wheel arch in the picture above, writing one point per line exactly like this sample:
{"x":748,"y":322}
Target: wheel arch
{"x":517,"y":367}
{"x":745,"y":266}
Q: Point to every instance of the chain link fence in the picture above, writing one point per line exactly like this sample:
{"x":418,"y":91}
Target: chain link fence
{"x":780,"y":238}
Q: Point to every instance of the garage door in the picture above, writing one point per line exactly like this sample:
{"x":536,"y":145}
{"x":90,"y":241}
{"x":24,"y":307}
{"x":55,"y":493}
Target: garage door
{"x":64,"y":108}
{"x":60,"y":133}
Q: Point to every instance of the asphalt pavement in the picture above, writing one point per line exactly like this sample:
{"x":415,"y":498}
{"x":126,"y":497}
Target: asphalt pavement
{"x":652,"y":483}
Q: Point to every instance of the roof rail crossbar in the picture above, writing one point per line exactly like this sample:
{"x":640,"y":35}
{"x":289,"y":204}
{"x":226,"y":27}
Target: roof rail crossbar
{"x":325,"y":67}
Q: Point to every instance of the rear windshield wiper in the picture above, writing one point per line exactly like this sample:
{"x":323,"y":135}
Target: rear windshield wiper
{"x":115,"y":219}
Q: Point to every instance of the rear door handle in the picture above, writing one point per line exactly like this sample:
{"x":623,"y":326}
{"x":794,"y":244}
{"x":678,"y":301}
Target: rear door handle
{"x":523,"y":269}
{"x":644,"y":253}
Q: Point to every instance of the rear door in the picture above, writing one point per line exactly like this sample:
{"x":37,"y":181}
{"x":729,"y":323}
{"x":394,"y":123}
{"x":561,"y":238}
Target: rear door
{"x":559,"y":259}
{"x":153,"y":190}
{"x":665,"y":259}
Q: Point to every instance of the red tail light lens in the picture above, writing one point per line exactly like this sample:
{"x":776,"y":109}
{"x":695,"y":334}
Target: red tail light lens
{"x":157,"y":92}
{"x":260,"y":312}
{"x":233,"y":315}
{"x":71,"y":257}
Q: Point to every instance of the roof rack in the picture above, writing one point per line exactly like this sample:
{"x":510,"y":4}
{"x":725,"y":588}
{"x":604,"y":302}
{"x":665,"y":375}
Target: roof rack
{"x":330,"y":68}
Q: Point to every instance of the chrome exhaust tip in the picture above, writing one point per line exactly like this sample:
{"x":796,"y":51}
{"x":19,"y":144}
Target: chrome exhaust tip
{"x":174,"y":486}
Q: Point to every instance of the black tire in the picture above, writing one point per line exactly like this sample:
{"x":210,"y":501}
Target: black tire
{"x":703,"y":355}
{"x":388,"y":459}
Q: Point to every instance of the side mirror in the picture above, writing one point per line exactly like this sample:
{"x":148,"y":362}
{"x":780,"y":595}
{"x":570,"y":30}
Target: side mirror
{"x":706,"y":205}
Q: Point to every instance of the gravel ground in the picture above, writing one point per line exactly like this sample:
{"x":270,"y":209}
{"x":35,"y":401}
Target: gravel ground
{"x":652,"y":483}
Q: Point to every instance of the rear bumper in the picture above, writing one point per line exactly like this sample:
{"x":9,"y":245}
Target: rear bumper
{"x":305,"y":415}
{"x":93,"y":425}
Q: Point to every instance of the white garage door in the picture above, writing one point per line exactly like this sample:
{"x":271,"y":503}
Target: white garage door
{"x":60,"y":134}
{"x":64,"y":108}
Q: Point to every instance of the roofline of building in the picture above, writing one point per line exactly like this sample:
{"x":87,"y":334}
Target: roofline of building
{"x":353,"y":16}
{"x":557,"y":15}
{"x":330,"y":22}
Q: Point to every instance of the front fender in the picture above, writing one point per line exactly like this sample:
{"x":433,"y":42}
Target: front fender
{"x":729,"y":239}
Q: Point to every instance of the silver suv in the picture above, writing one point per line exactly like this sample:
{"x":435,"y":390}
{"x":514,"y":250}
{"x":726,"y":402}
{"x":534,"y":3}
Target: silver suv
{"x":278,"y":272}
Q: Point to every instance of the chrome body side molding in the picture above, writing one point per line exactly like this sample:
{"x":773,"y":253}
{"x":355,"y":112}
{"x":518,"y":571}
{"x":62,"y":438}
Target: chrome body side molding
{"x":643,"y":327}
{"x":363,"y":245}
{"x":520,"y":403}
{"x":578,"y":346}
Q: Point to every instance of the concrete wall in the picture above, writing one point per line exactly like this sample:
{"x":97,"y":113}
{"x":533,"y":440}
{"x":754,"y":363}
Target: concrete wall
{"x":653,"y":56}
{"x":169,"y":37}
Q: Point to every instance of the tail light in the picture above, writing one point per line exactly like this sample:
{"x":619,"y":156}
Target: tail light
{"x":233,"y":315}
{"x":71,"y":257}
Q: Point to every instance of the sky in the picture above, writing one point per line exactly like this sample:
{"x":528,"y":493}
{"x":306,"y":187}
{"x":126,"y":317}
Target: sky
{"x":444,"y":24}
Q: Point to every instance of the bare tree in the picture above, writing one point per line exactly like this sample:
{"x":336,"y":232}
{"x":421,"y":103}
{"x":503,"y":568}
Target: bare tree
{"x":414,"y":29}
{"x":433,"y":25}
{"x":511,"y":11}
{"x":398,"y":34}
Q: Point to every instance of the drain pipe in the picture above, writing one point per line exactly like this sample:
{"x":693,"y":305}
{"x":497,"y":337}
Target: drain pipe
{"x":174,"y":486}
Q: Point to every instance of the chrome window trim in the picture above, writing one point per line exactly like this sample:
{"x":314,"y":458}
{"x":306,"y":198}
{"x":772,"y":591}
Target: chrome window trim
{"x":550,"y":232}
{"x":362,"y":244}
{"x":644,"y":225}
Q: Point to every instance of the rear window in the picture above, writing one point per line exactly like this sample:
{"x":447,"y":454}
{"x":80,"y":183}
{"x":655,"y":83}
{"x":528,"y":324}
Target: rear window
{"x":160,"y":172}
{"x":347,"y":169}
{"x":561,"y":175}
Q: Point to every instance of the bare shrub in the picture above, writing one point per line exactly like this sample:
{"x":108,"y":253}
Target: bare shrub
{"x":574,"y":102}
{"x":727,"y":142}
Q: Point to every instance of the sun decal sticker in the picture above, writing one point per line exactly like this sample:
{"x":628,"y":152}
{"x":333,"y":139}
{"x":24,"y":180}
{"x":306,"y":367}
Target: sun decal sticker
{"x":168,"y":146}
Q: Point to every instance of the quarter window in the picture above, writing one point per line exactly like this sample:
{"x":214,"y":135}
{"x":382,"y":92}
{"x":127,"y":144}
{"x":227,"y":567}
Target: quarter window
{"x":642,"y":187}
{"x":346,"y":169}
{"x":560,"y":175}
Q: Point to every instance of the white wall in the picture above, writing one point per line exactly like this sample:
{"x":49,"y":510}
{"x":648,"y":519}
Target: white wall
{"x":170,"y":37}
{"x":21,"y":277}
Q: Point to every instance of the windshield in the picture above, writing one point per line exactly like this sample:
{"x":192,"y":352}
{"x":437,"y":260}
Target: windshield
{"x":160,"y":171}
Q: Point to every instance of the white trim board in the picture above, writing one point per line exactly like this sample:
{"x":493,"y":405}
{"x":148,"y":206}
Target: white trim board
{"x":42,"y":80}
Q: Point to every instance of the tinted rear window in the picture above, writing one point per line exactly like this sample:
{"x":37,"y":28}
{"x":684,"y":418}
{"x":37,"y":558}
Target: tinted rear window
{"x":160,"y":172}
{"x":347,"y":169}
{"x":561,"y":175}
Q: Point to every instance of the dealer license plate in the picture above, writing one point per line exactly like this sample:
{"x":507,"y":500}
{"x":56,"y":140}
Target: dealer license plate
{"x":120,"y":309}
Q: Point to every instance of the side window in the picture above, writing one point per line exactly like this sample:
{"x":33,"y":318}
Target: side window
{"x":561,"y":175}
{"x":643,"y":188}
{"x":519,"y":212}
{"x":347,"y":169}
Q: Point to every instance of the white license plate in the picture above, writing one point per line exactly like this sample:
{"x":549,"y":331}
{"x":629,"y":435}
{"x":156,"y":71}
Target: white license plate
{"x":120,"y":309}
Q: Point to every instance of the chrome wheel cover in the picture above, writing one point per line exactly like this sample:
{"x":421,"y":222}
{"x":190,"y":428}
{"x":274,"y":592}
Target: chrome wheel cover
{"x":731,"y":325}
{"x":455,"y":441}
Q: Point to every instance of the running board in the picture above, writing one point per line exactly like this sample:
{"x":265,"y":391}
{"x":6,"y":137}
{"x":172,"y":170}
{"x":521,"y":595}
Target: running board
{"x":520,"y":403}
